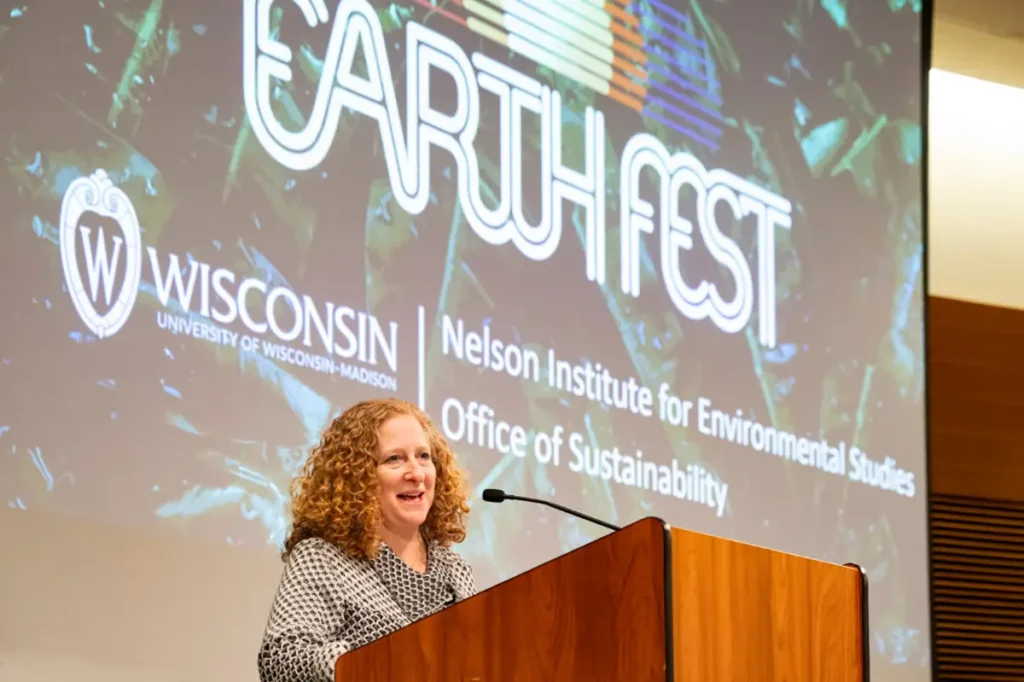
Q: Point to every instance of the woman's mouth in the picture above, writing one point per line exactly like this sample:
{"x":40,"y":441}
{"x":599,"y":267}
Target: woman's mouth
{"x":410,"y":497}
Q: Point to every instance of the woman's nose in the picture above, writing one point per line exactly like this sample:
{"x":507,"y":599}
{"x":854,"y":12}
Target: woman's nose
{"x":414,"y":473}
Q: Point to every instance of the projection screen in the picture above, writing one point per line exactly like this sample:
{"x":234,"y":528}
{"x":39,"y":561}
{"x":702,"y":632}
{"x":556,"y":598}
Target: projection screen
{"x":642,"y":258}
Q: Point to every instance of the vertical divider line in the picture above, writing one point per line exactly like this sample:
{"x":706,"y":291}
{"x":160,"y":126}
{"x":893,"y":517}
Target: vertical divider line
{"x":421,"y":358}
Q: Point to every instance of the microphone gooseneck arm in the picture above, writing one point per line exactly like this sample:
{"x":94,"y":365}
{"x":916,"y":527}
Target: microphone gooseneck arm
{"x":497,"y":496}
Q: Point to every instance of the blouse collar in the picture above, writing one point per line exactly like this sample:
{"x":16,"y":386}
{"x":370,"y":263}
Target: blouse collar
{"x":416,"y":594}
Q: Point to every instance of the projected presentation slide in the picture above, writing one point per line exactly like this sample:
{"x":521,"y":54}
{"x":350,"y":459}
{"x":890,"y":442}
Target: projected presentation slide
{"x":642,"y":258}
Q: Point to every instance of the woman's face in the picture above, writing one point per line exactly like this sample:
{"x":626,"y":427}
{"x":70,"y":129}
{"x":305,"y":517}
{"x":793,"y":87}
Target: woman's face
{"x":405,"y":474}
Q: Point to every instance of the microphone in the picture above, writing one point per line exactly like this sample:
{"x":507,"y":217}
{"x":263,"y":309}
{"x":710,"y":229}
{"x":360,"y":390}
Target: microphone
{"x":497,"y":496}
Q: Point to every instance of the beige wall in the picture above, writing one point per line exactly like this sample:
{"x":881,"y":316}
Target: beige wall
{"x":965,"y":49}
{"x":976,"y":167}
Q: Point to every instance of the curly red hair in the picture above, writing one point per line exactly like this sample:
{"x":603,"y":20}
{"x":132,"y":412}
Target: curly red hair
{"x":335,"y":495}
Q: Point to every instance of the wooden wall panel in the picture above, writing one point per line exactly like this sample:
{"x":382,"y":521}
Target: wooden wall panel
{"x":976,"y":399}
{"x":976,"y":467}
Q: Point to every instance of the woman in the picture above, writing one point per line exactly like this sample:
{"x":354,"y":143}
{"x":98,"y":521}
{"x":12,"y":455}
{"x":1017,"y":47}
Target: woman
{"x":375,"y":510}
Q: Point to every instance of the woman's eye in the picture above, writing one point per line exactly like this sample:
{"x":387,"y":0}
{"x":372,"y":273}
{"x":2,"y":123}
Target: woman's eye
{"x":424,"y":455}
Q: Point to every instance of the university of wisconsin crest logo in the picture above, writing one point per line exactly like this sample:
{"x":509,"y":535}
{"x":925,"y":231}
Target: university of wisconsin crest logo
{"x":95,"y":199}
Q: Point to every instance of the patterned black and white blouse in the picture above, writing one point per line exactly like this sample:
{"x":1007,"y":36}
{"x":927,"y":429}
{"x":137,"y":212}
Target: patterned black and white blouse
{"x":329,"y":603}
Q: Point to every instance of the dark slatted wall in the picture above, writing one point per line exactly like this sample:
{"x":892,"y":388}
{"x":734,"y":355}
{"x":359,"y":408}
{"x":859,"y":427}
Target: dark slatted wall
{"x":978,"y":588}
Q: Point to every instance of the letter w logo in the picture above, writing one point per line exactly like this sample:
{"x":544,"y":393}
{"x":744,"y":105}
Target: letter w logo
{"x":96,"y":193}
{"x":97,"y":264}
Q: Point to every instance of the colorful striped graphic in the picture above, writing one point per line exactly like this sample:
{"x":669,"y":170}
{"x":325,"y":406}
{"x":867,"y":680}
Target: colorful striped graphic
{"x":642,"y":54}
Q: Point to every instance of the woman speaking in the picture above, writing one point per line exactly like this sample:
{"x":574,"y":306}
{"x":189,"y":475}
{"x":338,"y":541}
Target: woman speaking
{"x":375,"y":511}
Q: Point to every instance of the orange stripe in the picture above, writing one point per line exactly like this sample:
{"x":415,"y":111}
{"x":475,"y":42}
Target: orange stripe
{"x":629,"y":51}
{"x":623,"y":98}
{"x":628,"y":67}
{"x":626,"y":84}
{"x":631,"y":36}
{"x":621,"y":15}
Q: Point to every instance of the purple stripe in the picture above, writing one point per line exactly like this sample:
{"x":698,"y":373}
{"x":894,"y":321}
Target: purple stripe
{"x":683,"y":99}
{"x":670,"y":108}
{"x":681,"y":129}
{"x":700,"y":91}
{"x":662,"y":7}
{"x":672,"y":46}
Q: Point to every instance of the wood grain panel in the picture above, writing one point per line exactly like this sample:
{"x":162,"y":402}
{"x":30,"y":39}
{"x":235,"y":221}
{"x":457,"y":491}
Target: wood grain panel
{"x":976,"y":467}
{"x":597,"y":613}
{"x":976,"y":399}
{"x":748,"y":613}
{"x":978,"y":588}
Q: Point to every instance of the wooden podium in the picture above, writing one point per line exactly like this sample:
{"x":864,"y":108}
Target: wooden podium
{"x":648,"y":603}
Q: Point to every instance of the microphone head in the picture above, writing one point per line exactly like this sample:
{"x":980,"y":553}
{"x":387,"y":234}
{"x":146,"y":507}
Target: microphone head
{"x":494,"y":495}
